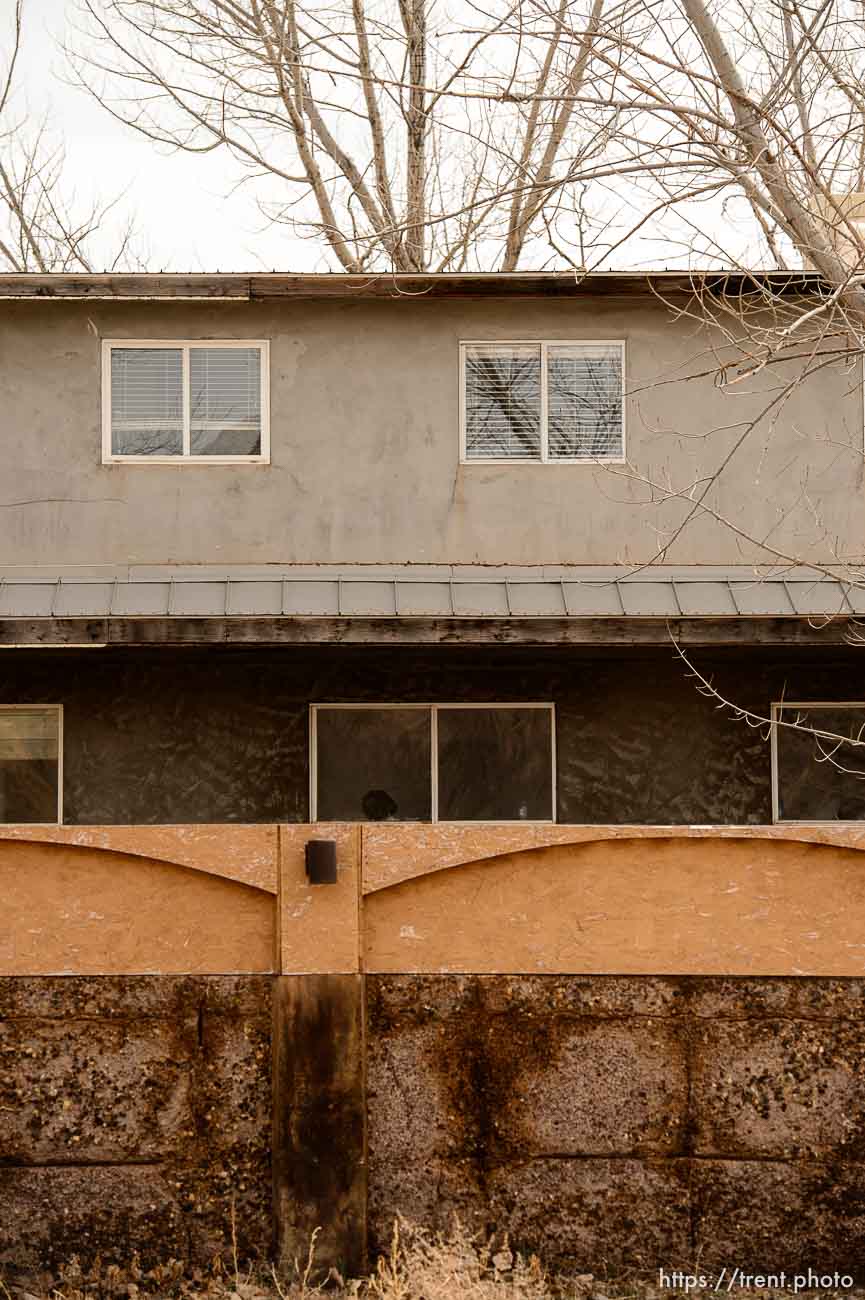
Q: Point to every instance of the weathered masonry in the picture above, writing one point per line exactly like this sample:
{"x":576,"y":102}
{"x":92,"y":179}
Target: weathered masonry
{"x":293,"y":561}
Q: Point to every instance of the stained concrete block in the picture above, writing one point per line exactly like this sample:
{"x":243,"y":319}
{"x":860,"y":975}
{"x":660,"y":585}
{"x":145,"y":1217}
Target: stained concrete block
{"x":49,"y":1215}
{"x":608,"y":1088}
{"x":396,"y":1000}
{"x":109,"y":1077}
{"x":463,"y":1075}
{"x":756,"y":998}
{"x":93,"y":1091}
{"x":589,"y":1216}
{"x":106,"y":997}
{"x":768,"y":1216}
{"x":780,"y":1088}
{"x":429,"y":1194}
{"x":407,"y":1103}
{"x":604,"y":997}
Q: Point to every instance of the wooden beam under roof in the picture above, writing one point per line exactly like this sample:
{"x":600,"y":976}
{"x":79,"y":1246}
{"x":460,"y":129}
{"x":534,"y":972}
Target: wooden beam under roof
{"x":293,"y":630}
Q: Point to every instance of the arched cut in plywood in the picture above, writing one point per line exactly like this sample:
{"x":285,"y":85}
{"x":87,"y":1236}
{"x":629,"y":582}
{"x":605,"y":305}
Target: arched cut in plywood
{"x":630,"y":906}
{"x":71,"y":909}
{"x":242,"y":852}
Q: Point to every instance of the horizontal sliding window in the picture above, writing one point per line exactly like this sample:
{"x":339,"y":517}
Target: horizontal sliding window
{"x":30,"y":745}
{"x":432,"y":762}
{"x":543,"y":402}
{"x":194,"y":402}
{"x":818,"y":753}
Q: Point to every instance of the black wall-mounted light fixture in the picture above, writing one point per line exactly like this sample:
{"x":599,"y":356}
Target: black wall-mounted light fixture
{"x":321,"y":862}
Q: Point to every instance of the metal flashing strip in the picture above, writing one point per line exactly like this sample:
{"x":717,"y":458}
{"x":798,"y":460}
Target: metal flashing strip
{"x":394,"y":593}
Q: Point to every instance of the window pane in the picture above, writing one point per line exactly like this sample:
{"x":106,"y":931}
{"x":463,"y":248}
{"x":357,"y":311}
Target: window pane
{"x":225,"y":401}
{"x":821,"y":778}
{"x":585,"y":400}
{"x":28,"y":765}
{"x":373,"y":765}
{"x":503,"y":401}
{"x":495,"y":765}
{"x":146,"y":401}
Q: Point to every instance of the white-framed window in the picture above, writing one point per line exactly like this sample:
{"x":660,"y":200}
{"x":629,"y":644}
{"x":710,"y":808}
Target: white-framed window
{"x":548,"y":402}
{"x":432,"y":762}
{"x":185,"y":401}
{"x":31,"y":763}
{"x":818,"y":761}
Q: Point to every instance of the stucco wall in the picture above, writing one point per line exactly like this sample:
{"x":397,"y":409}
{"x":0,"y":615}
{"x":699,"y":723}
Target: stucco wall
{"x":365,"y":464}
{"x":222,"y":735}
{"x":133,"y":1112}
{"x":624,"y":1123}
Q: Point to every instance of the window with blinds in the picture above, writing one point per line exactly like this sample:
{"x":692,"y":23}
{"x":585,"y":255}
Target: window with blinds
{"x":30,"y":747}
{"x":185,"y":401}
{"x":544,"y":402}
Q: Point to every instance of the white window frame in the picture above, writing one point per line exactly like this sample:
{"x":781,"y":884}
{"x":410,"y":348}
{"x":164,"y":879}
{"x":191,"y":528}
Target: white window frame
{"x":544,"y":458}
{"x":776,"y":709}
{"x":47,"y":708}
{"x":433,"y":709}
{"x":186,"y":458}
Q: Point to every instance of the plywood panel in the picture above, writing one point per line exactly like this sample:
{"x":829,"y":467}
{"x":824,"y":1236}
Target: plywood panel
{"x":319,"y":924}
{"x":631,"y":906}
{"x":81,"y":910}
{"x":247,"y":854}
{"x":394,"y":852}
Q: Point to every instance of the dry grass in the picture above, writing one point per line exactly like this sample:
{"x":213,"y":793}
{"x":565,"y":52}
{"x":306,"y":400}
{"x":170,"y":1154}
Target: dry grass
{"x":420,"y":1265}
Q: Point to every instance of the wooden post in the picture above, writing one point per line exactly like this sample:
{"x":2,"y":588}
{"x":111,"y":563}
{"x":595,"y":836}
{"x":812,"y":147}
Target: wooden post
{"x":319,"y":1122}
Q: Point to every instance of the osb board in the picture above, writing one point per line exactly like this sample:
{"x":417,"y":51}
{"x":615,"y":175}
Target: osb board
{"x":319,"y":925}
{"x":247,"y":854}
{"x":75,"y":909}
{"x":393,"y":853}
{"x":647,"y":905}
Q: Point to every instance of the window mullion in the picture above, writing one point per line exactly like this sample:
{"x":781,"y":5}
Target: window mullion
{"x":544,"y":406}
{"x":187,"y":403}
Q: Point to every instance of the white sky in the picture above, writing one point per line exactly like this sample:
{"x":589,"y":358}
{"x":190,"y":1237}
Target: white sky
{"x":179,"y":203}
{"x":184,"y":208}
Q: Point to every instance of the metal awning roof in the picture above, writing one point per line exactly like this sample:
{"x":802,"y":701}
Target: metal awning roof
{"x":411,"y":592}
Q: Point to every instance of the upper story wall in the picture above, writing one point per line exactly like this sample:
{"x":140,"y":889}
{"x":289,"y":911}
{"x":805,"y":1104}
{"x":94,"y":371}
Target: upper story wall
{"x":365,"y":465}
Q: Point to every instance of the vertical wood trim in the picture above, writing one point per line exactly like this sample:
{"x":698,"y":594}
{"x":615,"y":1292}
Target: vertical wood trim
{"x":318,"y":1133}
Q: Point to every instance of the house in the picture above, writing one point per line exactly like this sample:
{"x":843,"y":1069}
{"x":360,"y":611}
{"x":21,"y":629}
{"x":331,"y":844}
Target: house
{"x":417,"y":793}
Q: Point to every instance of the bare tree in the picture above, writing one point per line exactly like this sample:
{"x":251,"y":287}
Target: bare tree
{"x":394,"y":136}
{"x":41,"y":226}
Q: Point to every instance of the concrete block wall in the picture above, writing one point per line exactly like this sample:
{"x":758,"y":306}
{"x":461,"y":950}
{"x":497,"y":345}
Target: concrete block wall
{"x":134,"y":1112}
{"x":608,"y":1122}
{"x":626,"y":1123}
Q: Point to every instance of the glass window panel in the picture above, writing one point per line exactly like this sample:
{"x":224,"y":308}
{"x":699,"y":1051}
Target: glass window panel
{"x":495,"y":764}
{"x":225,"y":401}
{"x":146,"y":401}
{"x":821,"y":778}
{"x":373,"y":765}
{"x":29,"y":768}
{"x":584,"y":401}
{"x":503,"y":401}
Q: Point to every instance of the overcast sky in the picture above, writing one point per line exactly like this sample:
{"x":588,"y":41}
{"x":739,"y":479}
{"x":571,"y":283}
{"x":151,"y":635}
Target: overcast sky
{"x":185,"y":208}
{"x":179,"y":203}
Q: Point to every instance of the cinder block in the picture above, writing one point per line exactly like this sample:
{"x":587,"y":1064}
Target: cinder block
{"x":765,"y":997}
{"x":49,"y":1215}
{"x":592,"y":1216}
{"x":780,"y":1088}
{"x":609,"y":1088}
{"x":85,"y":1090}
{"x":769,"y":1216}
